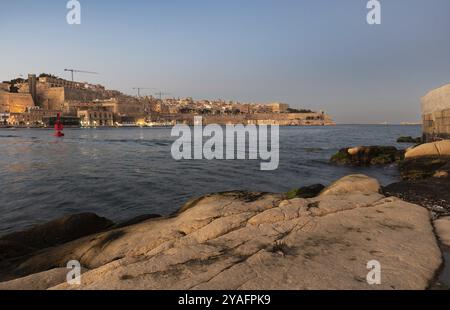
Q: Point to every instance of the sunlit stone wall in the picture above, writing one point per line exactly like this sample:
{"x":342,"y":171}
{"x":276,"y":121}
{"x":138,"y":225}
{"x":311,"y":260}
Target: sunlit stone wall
{"x":436,"y":114}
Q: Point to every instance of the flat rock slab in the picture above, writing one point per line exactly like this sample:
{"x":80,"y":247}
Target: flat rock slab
{"x":262,"y":241}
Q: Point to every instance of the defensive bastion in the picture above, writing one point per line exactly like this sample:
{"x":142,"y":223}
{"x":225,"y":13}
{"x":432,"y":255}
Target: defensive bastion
{"x":436,"y":114}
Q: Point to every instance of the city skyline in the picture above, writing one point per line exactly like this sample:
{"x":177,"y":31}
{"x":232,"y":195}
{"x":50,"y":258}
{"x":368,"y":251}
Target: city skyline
{"x":308,"y":54}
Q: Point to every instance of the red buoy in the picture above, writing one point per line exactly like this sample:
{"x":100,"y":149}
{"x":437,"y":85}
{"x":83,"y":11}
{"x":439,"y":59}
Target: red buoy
{"x":59,"y":127}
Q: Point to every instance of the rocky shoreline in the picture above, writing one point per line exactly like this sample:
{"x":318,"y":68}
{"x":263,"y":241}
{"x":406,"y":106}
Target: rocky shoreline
{"x":425,"y":172}
{"x":314,"y":237}
{"x":240,"y":240}
{"x":424,"y":169}
{"x":433,"y":194}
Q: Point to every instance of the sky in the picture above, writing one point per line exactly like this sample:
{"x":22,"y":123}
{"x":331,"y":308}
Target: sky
{"x":317,"y":54}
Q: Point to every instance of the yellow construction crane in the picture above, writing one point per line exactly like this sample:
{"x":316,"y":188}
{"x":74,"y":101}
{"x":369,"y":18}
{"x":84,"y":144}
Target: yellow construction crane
{"x":79,"y":71}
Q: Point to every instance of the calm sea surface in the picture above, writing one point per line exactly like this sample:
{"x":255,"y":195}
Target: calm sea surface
{"x":122,"y":173}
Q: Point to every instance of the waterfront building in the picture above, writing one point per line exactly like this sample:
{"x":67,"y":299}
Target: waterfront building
{"x":33,"y":117}
{"x":95,"y":117}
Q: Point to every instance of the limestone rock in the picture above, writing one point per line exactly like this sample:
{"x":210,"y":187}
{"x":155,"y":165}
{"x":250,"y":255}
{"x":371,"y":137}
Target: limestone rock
{"x":354,"y":150}
{"x":353,"y":183}
{"x":427,"y":160}
{"x":441,"y":174}
{"x":246,"y":241}
{"x":437,"y":149}
{"x":38,"y":281}
{"x":443,"y":230}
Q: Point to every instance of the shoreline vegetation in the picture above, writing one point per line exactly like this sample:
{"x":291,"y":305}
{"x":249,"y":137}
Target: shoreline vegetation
{"x":314,"y":237}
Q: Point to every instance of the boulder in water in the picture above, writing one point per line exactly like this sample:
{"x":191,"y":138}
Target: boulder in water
{"x":367,"y":156}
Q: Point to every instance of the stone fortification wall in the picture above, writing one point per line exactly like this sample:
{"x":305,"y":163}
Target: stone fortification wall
{"x":51,"y":98}
{"x":62,"y":98}
{"x":436,"y":114}
{"x":15,"y":102}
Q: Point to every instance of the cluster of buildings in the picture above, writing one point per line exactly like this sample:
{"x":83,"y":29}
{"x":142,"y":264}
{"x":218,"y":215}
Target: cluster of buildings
{"x":218,"y":107}
{"x":36,"y":101}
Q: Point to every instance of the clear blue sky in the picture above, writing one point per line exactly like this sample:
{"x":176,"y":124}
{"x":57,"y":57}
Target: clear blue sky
{"x":318,"y":54}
